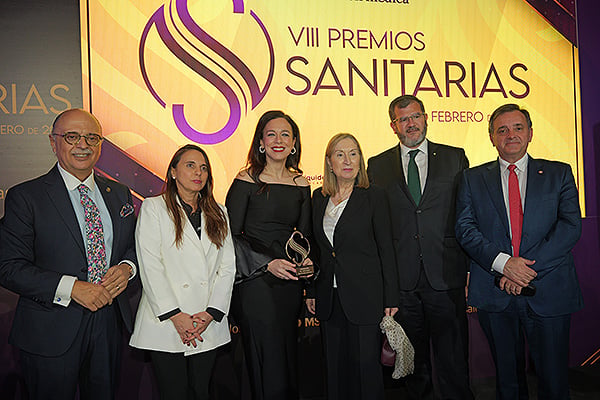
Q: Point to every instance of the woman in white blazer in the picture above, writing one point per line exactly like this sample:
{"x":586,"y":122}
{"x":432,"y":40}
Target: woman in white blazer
{"x":187,"y":268}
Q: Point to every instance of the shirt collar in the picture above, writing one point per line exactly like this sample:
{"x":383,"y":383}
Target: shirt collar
{"x":71,"y":182}
{"x":521,"y":163}
{"x":424,"y":147}
{"x":188,"y":208}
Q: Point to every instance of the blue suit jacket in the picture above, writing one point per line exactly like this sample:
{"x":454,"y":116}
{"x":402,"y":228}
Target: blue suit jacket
{"x":551,"y":228}
{"x":40,"y":242}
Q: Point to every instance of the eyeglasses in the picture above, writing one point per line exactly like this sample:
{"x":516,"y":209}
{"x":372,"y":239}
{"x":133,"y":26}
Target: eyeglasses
{"x":415,"y":117}
{"x":73,"y":138}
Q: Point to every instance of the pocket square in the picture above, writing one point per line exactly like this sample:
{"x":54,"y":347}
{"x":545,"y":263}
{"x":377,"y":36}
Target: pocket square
{"x":126,"y":210}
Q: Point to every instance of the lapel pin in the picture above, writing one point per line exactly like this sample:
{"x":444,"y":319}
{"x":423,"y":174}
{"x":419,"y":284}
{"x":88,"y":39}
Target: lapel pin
{"x":540,"y":172}
{"x":108,"y":189}
{"x":434,"y":153}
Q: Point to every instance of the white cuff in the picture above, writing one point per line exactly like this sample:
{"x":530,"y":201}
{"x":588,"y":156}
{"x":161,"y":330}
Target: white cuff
{"x":62,"y":296}
{"x":499,"y":262}
{"x":133,"y":268}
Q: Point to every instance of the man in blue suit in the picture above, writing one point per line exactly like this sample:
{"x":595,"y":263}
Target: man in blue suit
{"x":518,"y":219}
{"x":67,"y":249}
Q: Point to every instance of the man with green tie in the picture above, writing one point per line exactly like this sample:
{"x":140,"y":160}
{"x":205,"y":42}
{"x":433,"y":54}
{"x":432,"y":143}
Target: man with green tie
{"x":420,"y":179}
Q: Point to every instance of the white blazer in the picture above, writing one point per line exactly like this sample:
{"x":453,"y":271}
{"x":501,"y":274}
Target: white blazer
{"x":192,"y":277}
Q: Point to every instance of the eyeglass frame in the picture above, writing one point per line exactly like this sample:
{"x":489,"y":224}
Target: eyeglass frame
{"x":79,"y":136}
{"x":413,"y":117}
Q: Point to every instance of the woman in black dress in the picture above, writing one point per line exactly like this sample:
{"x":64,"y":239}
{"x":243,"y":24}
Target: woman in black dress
{"x":267,"y":201}
{"x":358,"y":281}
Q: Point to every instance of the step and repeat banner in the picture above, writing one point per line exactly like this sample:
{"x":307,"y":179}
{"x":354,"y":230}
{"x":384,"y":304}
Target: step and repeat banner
{"x":159,"y":74}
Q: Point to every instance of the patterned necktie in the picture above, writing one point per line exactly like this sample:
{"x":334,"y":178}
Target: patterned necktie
{"x":94,"y":237}
{"x":414,"y":182}
{"x":516,"y":209}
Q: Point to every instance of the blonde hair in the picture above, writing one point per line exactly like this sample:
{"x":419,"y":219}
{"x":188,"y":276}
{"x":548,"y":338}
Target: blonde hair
{"x":330,"y":183}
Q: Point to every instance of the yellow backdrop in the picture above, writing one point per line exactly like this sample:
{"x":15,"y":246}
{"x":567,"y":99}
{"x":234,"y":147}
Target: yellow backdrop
{"x":333,"y":65}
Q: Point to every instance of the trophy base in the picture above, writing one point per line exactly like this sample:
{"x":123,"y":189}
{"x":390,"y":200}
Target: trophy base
{"x":305,"y":271}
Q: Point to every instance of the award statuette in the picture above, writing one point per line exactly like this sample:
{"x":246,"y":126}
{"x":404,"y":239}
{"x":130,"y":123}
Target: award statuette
{"x":297,"y":249}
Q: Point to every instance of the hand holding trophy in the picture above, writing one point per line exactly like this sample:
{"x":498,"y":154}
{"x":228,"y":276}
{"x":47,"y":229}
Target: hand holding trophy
{"x":297,"y":248}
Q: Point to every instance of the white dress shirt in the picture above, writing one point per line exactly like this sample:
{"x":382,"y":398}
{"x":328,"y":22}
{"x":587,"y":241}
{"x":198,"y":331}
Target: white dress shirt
{"x":521,"y":171}
{"x":62,"y":296}
{"x":330,"y":219}
{"x":421,"y":159}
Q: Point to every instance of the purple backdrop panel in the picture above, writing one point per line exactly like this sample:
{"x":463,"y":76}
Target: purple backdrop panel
{"x":560,"y":14}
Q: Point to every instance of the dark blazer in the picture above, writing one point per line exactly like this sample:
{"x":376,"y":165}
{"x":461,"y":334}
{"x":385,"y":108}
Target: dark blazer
{"x":424,"y":232}
{"x":41,"y":241}
{"x":362,"y":257}
{"x":551,"y":227}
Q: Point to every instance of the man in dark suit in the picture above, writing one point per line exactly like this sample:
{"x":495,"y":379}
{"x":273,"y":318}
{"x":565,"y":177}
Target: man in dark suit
{"x":420,"y":179}
{"x":518,"y":219}
{"x":67,"y":248}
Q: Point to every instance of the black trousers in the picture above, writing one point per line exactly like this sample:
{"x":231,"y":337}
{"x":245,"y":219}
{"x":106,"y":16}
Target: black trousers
{"x":183,"y":377}
{"x":352,"y":356}
{"x":266,"y":309}
{"x":91,"y":363}
{"x":436,"y":320}
{"x":548,"y":342}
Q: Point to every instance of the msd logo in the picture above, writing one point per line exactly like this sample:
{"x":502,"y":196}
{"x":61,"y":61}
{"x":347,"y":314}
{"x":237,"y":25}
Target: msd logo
{"x":174,"y":25}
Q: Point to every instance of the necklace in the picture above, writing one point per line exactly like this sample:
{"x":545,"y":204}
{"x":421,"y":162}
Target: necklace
{"x":342,"y":195}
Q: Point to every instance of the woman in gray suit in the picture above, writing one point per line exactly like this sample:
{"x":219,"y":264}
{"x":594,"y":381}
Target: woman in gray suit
{"x":187,"y":267}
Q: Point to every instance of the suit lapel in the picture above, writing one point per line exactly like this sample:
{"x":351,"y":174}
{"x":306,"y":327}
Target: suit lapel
{"x":433,"y":167}
{"x":114,"y":207}
{"x":397,"y":163}
{"x":321,"y":202}
{"x":398,"y":172}
{"x":535,"y":180}
{"x":191,"y":237}
{"x":494,"y":187}
{"x":353,"y":208}
{"x":57,"y":192}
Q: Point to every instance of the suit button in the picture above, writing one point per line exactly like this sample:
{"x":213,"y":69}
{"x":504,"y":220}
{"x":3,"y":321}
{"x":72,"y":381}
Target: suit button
{"x":185,"y":286}
{"x":416,"y":237}
{"x":418,"y":211}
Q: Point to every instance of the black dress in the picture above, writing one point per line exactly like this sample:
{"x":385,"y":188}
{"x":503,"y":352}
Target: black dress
{"x":265,"y":307}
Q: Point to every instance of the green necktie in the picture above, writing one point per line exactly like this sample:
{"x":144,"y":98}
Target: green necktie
{"x":414,"y":182}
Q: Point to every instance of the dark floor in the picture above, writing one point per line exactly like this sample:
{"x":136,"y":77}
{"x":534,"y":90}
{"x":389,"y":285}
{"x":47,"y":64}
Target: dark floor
{"x":584,"y":383}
